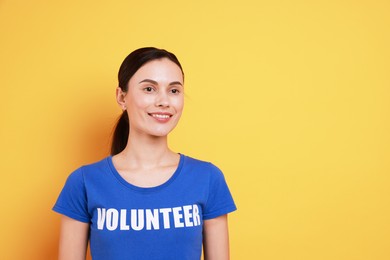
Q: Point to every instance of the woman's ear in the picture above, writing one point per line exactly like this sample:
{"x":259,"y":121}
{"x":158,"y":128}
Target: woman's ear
{"x":120,"y":98}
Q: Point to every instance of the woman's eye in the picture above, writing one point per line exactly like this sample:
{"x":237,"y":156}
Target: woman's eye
{"x":175,"y":91}
{"x":148,"y":89}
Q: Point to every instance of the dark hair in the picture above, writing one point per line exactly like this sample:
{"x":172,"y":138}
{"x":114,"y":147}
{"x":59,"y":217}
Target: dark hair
{"x":129,"y":67}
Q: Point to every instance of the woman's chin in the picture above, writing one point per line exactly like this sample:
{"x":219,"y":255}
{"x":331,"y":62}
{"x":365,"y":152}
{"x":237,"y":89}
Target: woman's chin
{"x":160,"y":133}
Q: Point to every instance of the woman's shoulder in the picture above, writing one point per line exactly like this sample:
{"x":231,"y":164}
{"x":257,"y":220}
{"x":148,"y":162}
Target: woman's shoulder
{"x":102,"y":163}
{"x":84,"y":170}
{"x":200,"y":164}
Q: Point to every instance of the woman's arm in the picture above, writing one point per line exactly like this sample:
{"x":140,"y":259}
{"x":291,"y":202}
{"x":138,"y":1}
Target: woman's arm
{"x":216,"y":239}
{"x":73,"y":239}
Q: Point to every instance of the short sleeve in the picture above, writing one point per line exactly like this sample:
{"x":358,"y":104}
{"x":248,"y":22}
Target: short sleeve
{"x":72,"y":201}
{"x":220,"y":200}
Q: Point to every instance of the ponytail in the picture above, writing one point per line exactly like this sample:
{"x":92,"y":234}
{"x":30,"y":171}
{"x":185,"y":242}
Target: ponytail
{"x":121,"y":134}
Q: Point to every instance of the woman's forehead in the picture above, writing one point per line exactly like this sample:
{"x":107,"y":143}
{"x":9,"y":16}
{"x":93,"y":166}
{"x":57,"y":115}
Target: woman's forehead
{"x":161,"y":70}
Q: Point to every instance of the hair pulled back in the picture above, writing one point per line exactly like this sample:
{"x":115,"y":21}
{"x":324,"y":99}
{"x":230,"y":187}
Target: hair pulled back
{"x":130,"y":65}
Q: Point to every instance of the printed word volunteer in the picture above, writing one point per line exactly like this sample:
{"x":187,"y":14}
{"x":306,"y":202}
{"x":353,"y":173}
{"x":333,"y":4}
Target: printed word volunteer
{"x":149,"y":219}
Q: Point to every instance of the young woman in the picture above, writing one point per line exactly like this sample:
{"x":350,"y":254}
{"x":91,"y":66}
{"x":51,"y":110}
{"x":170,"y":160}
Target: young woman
{"x":145,"y":201}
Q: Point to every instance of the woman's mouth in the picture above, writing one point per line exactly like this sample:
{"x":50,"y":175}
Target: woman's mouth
{"x":161,"y":117}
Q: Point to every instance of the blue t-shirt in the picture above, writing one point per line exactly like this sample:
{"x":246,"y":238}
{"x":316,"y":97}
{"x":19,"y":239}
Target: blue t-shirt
{"x":130,"y":222}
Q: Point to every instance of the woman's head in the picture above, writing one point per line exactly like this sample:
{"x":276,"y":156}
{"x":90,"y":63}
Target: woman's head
{"x":150,"y":93}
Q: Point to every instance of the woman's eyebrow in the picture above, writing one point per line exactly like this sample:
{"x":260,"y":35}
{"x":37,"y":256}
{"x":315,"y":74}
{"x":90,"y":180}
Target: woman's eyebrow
{"x":148,"y":81}
{"x":156,"y":83}
{"x":176,"y":83}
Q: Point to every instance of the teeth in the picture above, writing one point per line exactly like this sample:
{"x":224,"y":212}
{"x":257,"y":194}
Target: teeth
{"x":160,"y":116}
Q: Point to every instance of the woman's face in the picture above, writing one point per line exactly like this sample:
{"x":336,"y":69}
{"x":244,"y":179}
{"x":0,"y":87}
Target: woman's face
{"x":155,"y":98}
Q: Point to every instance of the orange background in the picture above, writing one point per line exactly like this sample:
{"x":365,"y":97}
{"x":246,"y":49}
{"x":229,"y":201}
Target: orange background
{"x":289,"y":98}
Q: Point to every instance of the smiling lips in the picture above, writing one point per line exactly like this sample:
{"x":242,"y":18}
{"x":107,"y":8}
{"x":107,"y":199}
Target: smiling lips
{"x":161,"y":117}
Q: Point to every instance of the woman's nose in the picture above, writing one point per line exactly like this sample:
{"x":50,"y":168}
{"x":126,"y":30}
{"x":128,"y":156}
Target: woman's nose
{"x":162,"y":100}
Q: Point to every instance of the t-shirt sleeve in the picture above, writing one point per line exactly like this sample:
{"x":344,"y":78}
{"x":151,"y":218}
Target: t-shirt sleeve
{"x":220,"y":200}
{"x":72,"y":201}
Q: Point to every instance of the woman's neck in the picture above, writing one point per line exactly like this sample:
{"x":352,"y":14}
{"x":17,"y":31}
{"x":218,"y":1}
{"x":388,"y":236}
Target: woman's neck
{"x":147,"y":151}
